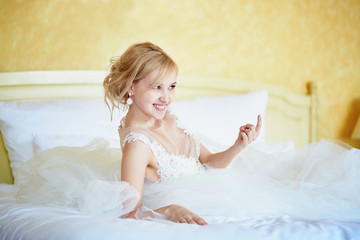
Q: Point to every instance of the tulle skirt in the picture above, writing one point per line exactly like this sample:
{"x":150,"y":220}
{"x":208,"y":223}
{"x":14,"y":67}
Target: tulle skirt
{"x":318,"y":181}
{"x":84,"y":178}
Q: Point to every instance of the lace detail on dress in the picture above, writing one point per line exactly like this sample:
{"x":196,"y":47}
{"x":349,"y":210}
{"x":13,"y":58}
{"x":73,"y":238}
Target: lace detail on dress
{"x":168,"y":165}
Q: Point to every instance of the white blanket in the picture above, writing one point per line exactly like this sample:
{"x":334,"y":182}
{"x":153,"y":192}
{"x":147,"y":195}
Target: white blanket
{"x":25,"y":221}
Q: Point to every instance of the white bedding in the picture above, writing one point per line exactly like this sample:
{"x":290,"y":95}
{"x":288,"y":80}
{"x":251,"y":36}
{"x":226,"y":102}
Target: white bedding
{"x":25,"y":221}
{"x":29,"y":221}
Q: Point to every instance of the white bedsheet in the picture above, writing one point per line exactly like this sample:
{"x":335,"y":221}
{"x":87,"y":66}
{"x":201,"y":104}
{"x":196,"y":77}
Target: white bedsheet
{"x":25,"y":221}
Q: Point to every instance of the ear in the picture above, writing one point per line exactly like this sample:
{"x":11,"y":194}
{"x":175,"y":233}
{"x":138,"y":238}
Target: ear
{"x":131,"y":89}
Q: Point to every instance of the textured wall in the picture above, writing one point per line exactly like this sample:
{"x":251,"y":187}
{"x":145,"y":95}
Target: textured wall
{"x":285,"y":42}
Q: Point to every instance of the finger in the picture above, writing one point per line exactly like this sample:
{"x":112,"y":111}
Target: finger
{"x":250,"y":136}
{"x":241,"y":135}
{"x":200,"y":221}
{"x":183,"y":220}
{"x":258,"y":124}
{"x":244,"y":138}
{"x":248,"y":126}
{"x":248,"y":130}
{"x":255,"y":133}
{"x":191,"y":221}
{"x":252,"y":128}
{"x":242,"y":129}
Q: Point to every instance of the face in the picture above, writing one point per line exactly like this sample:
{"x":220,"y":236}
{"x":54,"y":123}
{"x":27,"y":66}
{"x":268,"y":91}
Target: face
{"x":151,"y":98}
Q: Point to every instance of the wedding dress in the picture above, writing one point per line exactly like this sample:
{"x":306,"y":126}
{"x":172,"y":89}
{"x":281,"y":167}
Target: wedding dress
{"x":318,"y":181}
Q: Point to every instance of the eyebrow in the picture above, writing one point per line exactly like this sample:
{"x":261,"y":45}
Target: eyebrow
{"x":156,"y":84}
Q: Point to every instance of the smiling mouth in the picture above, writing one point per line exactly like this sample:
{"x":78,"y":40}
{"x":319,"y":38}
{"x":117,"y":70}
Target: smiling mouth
{"x":159,"y":107}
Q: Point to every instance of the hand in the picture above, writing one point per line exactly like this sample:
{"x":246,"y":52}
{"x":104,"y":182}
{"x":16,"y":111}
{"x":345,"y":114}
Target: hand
{"x":248,"y":133}
{"x":180,"y":214}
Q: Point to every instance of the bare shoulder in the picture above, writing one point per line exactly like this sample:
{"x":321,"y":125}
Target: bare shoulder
{"x":138,"y":151}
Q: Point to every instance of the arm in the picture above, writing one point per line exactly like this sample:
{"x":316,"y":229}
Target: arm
{"x":136,"y":158}
{"x":247,"y":134}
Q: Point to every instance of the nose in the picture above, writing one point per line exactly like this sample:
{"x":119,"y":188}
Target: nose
{"x":165,"y":96}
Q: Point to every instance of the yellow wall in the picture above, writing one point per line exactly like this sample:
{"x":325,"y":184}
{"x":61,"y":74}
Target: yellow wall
{"x":278,"y":41}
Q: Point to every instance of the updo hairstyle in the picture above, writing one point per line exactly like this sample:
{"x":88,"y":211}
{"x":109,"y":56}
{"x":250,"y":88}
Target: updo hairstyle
{"x":134,"y":64}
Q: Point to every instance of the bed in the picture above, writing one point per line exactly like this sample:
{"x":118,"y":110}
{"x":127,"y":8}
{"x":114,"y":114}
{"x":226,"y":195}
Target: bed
{"x":291,"y":120}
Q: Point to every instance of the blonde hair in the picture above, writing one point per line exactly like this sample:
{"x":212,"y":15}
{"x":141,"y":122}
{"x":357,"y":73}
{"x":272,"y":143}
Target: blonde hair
{"x":138,"y":61}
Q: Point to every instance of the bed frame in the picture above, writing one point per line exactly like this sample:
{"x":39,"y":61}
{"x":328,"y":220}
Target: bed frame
{"x":289,"y":116}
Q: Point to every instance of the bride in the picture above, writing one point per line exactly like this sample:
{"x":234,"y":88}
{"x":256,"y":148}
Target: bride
{"x":154,"y":147}
{"x":167,"y":174}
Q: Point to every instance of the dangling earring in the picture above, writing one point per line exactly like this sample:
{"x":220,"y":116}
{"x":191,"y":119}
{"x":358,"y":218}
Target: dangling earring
{"x":129,"y":101}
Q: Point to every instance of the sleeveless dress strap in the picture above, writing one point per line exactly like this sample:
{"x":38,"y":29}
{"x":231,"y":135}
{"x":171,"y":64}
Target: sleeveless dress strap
{"x":132,"y":136}
{"x":156,"y":148}
{"x":168,"y":165}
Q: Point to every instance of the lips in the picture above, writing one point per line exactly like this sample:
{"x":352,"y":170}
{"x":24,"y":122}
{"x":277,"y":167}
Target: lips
{"x":159,"y":107}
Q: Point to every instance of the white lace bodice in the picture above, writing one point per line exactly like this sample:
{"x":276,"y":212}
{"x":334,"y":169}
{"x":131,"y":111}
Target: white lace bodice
{"x":168,"y":165}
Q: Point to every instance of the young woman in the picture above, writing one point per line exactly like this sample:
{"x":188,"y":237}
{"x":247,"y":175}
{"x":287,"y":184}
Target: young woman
{"x":144,"y":78}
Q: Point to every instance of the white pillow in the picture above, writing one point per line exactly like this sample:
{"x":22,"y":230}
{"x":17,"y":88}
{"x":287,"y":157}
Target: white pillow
{"x":219,"y":118}
{"x":44,"y":142}
{"x":29,"y":127}
{"x":21,"y":121}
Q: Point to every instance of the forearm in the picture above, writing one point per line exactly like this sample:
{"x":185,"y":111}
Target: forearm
{"x":223,"y":159}
{"x":247,"y":134}
{"x":164,"y":211}
{"x":131,"y":214}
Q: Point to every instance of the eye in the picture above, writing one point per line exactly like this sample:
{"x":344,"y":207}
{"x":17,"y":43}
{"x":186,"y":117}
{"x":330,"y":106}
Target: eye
{"x":172,"y":86}
{"x":157,"y":87}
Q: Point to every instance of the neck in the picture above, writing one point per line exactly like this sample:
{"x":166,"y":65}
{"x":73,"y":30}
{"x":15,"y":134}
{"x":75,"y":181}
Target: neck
{"x":139,"y":119}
